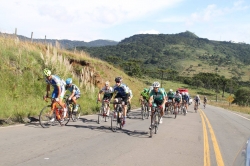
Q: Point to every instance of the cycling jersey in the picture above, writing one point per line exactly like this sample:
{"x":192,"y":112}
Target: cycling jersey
{"x":145,"y":94}
{"x":55,"y":82}
{"x":170,"y":95}
{"x":74,"y":88}
{"x":130,"y":94}
{"x":197,"y":99}
{"x":108,"y":92}
{"x":177,"y":97}
{"x":185,"y":97}
{"x":158,"y":96}
{"x":205,"y":99}
{"x":121,"y":91}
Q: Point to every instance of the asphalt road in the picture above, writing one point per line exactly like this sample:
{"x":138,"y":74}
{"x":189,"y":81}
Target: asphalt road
{"x":180,"y":141}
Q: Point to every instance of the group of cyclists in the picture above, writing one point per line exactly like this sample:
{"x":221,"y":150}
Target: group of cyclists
{"x":60,"y":87}
{"x":153,"y":95}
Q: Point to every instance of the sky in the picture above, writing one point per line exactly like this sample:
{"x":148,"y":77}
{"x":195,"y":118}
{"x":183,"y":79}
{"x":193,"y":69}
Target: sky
{"x":88,"y":20}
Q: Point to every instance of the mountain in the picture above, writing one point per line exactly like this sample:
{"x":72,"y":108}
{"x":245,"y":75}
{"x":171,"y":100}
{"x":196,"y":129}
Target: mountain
{"x":185,"y":54}
{"x":68,"y":44}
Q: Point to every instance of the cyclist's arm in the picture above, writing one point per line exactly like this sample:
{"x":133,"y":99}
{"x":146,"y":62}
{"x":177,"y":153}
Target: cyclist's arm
{"x":48,"y":90}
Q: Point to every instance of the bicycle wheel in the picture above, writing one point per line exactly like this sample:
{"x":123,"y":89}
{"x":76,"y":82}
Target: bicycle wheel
{"x":76,"y":114}
{"x":142,"y":111}
{"x":64,"y":118}
{"x":46,"y":117}
{"x":147,"y":112}
{"x":175,"y":113}
{"x":121,"y":120}
{"x":69,"y":113}
{"x":114,"y":122}
{"x":184,"y":111}
{"x":100,"y":115}
{"x":156,"y":122}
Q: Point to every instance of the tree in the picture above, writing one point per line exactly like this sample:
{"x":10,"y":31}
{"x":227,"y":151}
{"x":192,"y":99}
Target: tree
{"x":242,"y":96}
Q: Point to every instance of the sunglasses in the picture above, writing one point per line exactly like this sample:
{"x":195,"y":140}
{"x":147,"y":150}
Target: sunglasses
{"x":117,"y":81}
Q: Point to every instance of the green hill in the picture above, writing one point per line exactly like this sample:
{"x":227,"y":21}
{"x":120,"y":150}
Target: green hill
{"x":185,"y":53}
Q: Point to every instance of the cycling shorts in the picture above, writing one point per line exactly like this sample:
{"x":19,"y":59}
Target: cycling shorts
{"x":55,"y":93}
{"x":124,"y":98}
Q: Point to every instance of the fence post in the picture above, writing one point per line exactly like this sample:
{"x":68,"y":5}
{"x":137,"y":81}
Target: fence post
{"x":45,"y":40}
{"x":15,"y":31}
{"x":31,"y":37}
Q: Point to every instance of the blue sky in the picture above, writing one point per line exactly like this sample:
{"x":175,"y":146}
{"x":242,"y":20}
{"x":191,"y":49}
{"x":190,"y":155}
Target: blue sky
{"x":87,"y":20}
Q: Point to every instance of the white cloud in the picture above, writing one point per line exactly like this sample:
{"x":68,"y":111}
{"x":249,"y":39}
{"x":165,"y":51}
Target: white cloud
{"x":78,"y":19}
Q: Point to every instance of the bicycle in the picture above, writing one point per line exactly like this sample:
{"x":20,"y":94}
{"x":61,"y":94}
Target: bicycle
{"x":102,"y":116}
{"x":196,"y":107}
{"x":117,"y":117}
{"x":183,"y":108}
{"x":168,"y":108}
{"x":145,"y":109}
{"x":175,"y":111}
{"x":128,"y":108}
{"x":74,"y":115}
{"x":155,"y":121}
{"x":48,"y":117}
{"x":204,"y":104}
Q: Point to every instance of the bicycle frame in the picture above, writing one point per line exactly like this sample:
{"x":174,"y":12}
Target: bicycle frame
{"x":155,"y":119}
{"x":117,"y":116}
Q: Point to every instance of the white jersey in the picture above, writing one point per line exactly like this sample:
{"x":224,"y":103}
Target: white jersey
{"x":108,"y":92}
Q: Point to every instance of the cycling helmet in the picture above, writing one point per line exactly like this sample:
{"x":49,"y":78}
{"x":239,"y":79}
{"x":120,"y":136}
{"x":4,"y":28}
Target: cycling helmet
{"x":47,"y":72}
{"x":107,"y":83}
{"x":118,"y":79}
{"x":156,"y":84}
{"x":171,"y":90}
{"x":69,"y":81}
{"x":177,"y":91}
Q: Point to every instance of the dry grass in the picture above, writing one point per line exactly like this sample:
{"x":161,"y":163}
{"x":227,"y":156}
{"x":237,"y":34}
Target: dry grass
{"x":233,"y":107}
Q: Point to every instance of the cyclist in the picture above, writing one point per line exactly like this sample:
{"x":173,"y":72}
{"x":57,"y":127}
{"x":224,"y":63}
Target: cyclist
{"x":205,"y":101}
{"x":75,"y":93}
{"x":185,"y":99}
{"x":170,"y":97}
{"x":157,"y":96}
{"x":121,"y":91}
{"x":196,"y":101}
{"x":58,"y":92}
{"x":130,"y":96}
{"x":177,"y":100}
{"x":144,"y":96}
{"x":108,"y":93}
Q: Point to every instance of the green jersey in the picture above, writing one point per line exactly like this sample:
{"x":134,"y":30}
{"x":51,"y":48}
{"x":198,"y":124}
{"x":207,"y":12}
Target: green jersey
{"x":158,"y":96}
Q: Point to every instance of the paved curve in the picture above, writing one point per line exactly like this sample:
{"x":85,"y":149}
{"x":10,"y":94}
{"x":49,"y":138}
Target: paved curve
{"x":179,"y":141}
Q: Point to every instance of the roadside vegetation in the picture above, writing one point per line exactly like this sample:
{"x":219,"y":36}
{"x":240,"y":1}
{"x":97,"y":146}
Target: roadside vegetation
{"x":23,"y":84}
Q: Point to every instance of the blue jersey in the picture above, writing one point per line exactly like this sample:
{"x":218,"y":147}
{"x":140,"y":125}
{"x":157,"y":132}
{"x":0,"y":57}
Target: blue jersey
{"x":56,"y":81}
{"x":74,"y":89}
{"x":121,"y":91}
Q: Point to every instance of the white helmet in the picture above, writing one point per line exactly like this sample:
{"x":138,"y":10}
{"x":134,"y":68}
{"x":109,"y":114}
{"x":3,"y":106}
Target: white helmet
{"x":156,"y":84}
{"x":171,"y":90}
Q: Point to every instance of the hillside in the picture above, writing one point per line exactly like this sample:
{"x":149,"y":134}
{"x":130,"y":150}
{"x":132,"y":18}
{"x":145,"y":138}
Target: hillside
{"x":69,"y":44}
{"x":184,"y":54}
{"x":23,"y":84}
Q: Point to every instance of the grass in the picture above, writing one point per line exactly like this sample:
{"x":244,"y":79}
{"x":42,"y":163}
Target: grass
{"x":23,"y":83}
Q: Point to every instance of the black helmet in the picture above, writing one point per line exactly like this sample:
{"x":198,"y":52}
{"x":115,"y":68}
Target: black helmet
{"x":177,"y":91}
{"x":118,"y":79}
